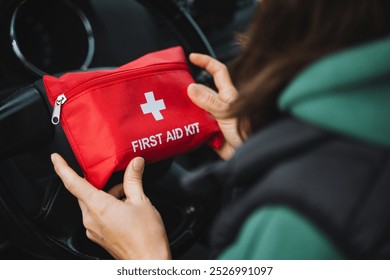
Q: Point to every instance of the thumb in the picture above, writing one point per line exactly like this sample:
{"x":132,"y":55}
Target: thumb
{"x":207,"y":99}
{"x":132,"y":181}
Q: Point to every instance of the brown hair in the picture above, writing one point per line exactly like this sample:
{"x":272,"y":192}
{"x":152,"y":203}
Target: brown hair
{"x":287,"y":35}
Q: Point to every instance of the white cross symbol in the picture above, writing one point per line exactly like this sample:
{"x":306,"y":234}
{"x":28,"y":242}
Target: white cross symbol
{"x":153,"y":106}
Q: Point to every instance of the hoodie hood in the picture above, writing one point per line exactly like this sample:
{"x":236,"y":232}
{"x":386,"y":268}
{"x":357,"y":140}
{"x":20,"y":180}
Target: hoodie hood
{"x":347,"y":92}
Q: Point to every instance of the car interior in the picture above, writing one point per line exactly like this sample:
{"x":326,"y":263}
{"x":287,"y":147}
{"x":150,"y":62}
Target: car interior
{"x":38,"y":217}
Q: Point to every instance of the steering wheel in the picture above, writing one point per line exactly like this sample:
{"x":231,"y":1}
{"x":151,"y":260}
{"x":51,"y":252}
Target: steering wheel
{"x":40,"y":217}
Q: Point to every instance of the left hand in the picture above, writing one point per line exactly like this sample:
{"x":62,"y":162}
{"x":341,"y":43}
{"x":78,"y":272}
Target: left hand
{"x":128,"y":229}
{"x":217,"y":103}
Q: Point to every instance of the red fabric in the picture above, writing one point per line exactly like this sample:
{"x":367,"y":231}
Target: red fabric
{"x":107,"y":124}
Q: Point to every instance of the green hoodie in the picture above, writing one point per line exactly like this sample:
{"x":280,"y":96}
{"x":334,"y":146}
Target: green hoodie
{"x":349,"y":93}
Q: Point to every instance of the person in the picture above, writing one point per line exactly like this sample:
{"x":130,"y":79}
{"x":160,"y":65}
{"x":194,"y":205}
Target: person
{"x":305,"y":167}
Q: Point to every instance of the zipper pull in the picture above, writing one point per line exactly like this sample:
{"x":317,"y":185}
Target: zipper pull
{"x":55,"y":117}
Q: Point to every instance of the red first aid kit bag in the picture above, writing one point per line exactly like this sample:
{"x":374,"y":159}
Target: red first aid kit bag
{"x":139,"y":109}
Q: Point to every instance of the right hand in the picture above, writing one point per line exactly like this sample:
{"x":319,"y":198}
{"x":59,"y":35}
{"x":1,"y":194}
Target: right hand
{"x":128,"y":228}
{"x":217,"y":104}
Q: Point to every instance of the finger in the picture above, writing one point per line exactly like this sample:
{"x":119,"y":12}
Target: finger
{"x":117,"y":191}
{"x":132,"y":181}
{"x":219,"y":72}
{"x":79,"y":187}
{"x":208,"y":100}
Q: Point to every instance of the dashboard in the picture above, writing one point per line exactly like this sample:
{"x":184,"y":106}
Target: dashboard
{"x":48,"y":37}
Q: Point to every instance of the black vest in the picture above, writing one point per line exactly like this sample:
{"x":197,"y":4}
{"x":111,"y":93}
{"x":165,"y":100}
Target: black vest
{"x":339,"y":184}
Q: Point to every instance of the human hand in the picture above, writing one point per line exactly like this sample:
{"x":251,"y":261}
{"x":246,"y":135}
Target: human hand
{"x":128,"y":229}
{"x":217,"y":104}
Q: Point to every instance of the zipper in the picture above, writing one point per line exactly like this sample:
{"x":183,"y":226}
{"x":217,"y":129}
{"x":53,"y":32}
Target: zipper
{"x":120,"y":76}
{"x":55,"y":117}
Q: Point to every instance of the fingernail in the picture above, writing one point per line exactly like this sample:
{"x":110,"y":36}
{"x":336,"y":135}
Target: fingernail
{"x":53,"y":158}
{"x":196,"y":92}
{"x":138,"y":163}
{"x":193,"y":54}
{"x":193,"y":89}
